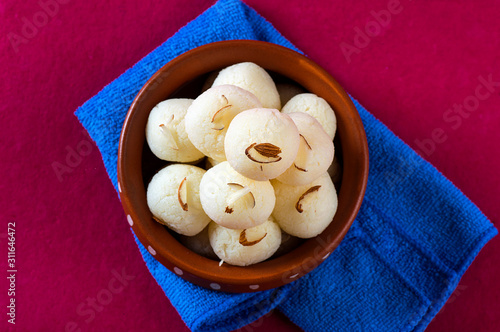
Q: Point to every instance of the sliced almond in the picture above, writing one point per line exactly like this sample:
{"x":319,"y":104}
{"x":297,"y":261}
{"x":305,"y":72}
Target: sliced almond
{"x":245,"y":242}
{"x":305,"y":141}
{"x":268,"y":150}
{"x":166,"y":130}
{"x":182,"y":194}
{"x":299,"y":168}
{"x":252,"y":200}
{"x":263,"y":153}
{"x":218,"y":117}
{"x":235,"y":185}
{"x":298,"y":205}
{"x":302,"y":156}
{"x":241,"y":192}
{"x":158,"y":220}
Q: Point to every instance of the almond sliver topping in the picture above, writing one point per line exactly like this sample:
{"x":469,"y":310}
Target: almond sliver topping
{"x":245,"y":242}
{"x":182,"y":194}
{"x":263,"y":153}
{"x":241,"y":192}
{"x":298,"y":205}
{"x":166,"y":130}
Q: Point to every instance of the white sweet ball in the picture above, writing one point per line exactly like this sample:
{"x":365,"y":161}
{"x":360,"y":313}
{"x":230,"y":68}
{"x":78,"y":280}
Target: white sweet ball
{"x":315,"y":106}
{"x":305,"y":211}
{"x":315,"y":153}
{"x":174,"y":199}
{"x":261,"y":143}
{"x":243,"y":247}
{"x":209,"y":116}
{"x":235,"y":201}
{"x":251,"y":77}
{"x":166,"y":134}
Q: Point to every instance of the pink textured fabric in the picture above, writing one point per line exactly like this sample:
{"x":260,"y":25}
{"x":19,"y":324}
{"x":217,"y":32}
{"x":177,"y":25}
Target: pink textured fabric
{"x":421,"y":67}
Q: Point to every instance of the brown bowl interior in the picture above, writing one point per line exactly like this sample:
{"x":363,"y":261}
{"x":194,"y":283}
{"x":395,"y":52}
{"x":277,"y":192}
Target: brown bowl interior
{"x":183,"y":77}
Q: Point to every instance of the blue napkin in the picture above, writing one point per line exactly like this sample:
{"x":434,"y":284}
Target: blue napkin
{"x":413,"y":239}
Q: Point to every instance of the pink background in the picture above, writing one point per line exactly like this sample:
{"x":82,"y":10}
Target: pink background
{"x":71,"y":233}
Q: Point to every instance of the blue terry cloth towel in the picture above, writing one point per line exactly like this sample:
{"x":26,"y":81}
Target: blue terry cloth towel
{"x":413,"y":239}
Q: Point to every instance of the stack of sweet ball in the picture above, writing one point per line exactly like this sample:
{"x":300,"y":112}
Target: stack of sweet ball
{"x":267,"y":178}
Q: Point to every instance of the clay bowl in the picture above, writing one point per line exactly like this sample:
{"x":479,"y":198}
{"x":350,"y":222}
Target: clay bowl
{"x":184,"y":77}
